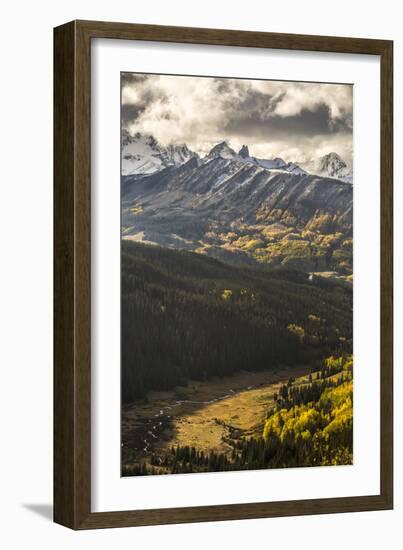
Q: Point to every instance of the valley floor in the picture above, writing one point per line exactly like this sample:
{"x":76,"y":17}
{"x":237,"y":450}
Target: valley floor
{"x":203,"y":414}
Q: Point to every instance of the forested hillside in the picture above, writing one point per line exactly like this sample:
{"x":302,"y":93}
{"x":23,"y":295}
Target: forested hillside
{"x":188,"y":316}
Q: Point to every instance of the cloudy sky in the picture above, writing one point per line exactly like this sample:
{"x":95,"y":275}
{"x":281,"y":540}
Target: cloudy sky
{"x":292,"y":120}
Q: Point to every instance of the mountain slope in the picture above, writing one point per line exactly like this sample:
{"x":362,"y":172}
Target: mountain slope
{"x":226,"y":205}
{"x":229,"y":191}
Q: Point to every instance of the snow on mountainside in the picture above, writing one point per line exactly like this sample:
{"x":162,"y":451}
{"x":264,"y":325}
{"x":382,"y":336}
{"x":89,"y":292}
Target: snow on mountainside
{"x":142,"y":154}
{"x":330,"y":165}
{"x":184,"y":206}
{"x":281,"y":165}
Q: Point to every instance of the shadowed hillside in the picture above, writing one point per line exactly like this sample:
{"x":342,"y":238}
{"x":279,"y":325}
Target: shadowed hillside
{"x":187,"y":316}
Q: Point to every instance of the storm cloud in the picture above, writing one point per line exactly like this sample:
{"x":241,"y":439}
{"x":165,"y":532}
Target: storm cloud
{"x":294,"y":120}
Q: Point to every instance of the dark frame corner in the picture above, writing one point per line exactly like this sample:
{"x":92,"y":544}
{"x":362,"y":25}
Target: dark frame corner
{"x":72,"y":215}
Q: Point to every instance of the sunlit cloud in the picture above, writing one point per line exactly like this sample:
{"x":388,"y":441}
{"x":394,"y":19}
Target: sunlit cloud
{"x":297,"y":121}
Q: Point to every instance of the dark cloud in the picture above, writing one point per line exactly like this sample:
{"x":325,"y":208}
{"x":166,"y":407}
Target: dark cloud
{"x":130,"y":113}
{"x":253,"y":122}
{"x":127,"y":79}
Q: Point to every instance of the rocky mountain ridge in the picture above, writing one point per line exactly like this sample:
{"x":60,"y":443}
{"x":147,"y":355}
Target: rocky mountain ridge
{"x":142,"y":154}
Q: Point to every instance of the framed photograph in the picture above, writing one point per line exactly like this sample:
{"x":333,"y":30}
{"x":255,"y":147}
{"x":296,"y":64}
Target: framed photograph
{"x":222,"y":276}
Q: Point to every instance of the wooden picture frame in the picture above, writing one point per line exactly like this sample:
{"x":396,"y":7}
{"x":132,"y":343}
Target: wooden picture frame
{"x":72,"y":270}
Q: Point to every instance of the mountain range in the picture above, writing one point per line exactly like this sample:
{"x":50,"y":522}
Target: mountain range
{"x":142,"y":154}
{"x":238,"y":208}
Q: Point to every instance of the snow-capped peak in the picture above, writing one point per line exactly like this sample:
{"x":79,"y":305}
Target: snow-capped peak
{"x":142,"y":154}
{"x":330,"y":165}
{"x":222,"y":150}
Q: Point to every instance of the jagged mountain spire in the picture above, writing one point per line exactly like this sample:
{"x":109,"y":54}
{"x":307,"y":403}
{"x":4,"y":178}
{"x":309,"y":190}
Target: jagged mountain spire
{"x":244,"y":151}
